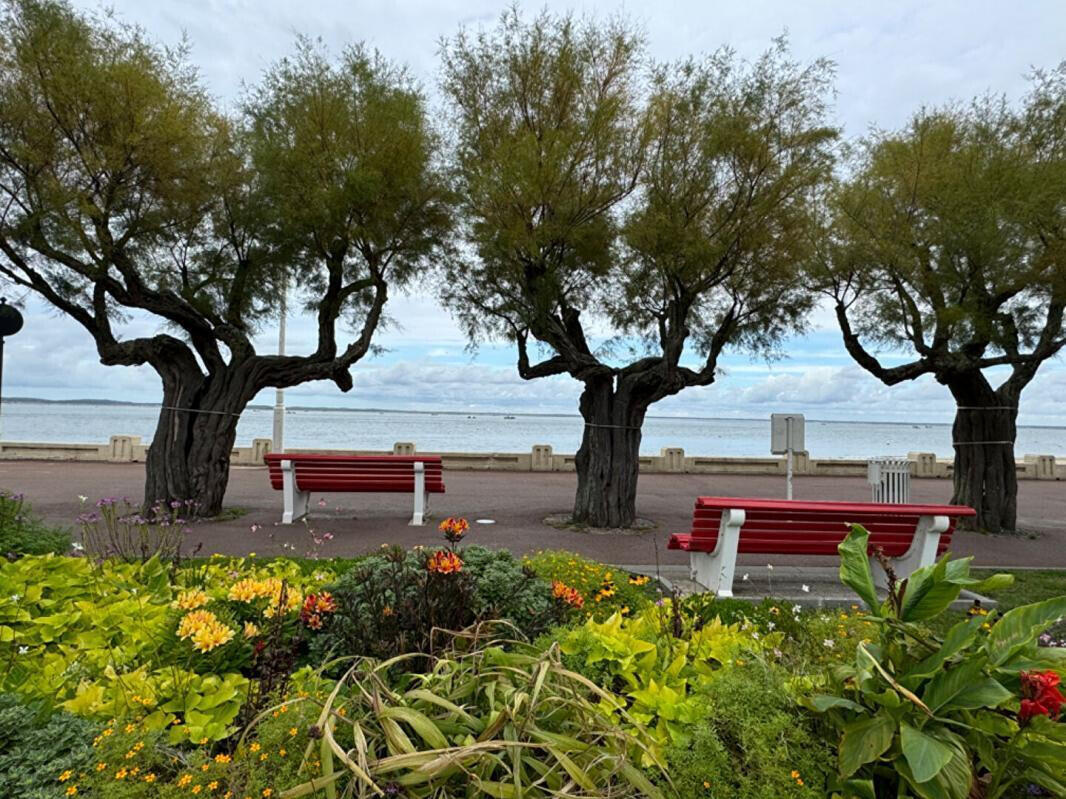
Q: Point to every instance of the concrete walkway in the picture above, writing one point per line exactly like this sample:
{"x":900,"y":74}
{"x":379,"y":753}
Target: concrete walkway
{"x":518,"y":502}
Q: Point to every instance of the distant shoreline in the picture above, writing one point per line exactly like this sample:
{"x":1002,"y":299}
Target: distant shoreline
{"x":326,"y":408}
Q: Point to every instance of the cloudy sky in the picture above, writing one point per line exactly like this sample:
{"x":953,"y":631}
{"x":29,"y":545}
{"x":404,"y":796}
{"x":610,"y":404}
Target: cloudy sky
{"x":891,"y":58}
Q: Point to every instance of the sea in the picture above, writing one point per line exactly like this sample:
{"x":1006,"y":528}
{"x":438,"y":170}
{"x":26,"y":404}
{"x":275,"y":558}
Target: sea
{"x":338,"y":428}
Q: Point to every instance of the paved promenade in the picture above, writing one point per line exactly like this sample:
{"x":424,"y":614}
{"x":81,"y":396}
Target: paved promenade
{"x":518,"y":502}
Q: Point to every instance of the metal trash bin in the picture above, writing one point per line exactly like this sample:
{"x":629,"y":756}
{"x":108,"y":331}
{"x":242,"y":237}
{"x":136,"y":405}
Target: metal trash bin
{"x":890,"y":480}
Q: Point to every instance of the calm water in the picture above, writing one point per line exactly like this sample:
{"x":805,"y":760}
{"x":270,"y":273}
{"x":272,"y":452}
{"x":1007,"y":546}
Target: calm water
{"x":445,"y":432}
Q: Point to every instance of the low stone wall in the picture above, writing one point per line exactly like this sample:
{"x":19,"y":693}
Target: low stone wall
{"x":130,"y":449}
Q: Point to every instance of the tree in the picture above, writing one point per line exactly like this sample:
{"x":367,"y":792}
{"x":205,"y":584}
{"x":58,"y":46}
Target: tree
{"x":124,"y":191}
{"x":676,"y":219}
{"x":948,"y":240}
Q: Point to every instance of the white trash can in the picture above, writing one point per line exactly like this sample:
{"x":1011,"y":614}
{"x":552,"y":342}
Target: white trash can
{"x":890,"y":480}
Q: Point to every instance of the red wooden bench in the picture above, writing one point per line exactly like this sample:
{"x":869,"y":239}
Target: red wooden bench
{"x":912,"y":535}
{"x":298,"y":474}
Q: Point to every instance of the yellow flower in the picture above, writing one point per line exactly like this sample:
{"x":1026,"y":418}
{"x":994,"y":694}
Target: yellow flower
{"x":184,"y":780}
{"x":262,"y":757}
{"x":191,"y":600}
{"x":205,"y":767}
{"x":212,"y":785}
{"x":196,"y":788}
{"x":293,"y":731}
{"x":268,"y":792}
{"x":66,"y":775}
{"x":282,"y":752}
{"x":134,"y":771}
{"x":121,"y":774}
{"x":222,"y":758}
{"x":207,"y":638}
{"x":149,"y":777}
{"x":254,"y":747}
{"x":101,"y":766}
{"x":73,"y":789}
{"x":794,"y":775}
{"x":706,"y":784}
{"x":250,"y":630}
{"x":131,"y":727}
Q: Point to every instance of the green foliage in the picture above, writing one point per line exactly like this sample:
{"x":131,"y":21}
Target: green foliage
{"x":36,"y":747}
{"x":661,"y":662}
{"x":22,"y":533}
{"x":927,"y":716}
{"x":750,"y":741}
{"x":604,"y":589}
{"x":502,"y":721}
{"x":390,"y":604}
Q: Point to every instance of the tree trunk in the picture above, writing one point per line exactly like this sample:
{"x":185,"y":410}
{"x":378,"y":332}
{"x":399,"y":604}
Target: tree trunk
{"x":608,"y":459}
{"x":984,"y":433}
{"x":190,"y":453}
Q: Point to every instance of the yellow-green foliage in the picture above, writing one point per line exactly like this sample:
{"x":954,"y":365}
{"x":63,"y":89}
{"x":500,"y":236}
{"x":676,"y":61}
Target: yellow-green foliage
{"x":101,"y":639}
{"x":658,"y":671}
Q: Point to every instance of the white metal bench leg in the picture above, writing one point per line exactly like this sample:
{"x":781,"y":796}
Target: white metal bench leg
{"x":420,"y":495}
{"x":922,"y":551}
{"x":296,"y":501}
{"x":715,"y":570}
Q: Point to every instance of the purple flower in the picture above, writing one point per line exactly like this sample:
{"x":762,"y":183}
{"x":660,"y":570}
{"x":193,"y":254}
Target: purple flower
{"x":175,"y":503}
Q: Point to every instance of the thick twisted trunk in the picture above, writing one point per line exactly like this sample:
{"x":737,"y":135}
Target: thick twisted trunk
{"x":608,"y":460}
{"x":984,"y":433}
{"x":190,"y":453}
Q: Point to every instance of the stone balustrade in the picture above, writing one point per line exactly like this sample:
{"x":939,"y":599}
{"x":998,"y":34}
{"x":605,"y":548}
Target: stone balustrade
{"x":130,"y":449}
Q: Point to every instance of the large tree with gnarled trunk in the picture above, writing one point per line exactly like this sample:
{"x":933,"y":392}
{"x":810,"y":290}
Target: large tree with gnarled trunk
{"x":949,"y":239}
{"x":123,"y":190}
{"x":668,"y":214}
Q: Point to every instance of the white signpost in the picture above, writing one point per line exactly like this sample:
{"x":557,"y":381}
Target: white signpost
{"x":786,"y":437}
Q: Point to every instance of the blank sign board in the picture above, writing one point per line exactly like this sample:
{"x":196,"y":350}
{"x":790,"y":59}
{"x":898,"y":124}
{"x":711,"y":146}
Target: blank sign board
{"x":786,"y":433}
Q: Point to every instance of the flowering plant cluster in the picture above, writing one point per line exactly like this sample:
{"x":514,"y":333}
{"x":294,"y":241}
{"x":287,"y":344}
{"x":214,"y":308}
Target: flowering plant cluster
{"x":1041,"y":696}
{"x":603,"y":588}
{"x":314,"y":607}
{"x":444,"y":562}
{"x":454,"y":529}
{"x":204,"y":630}
{"x":570,"y":596}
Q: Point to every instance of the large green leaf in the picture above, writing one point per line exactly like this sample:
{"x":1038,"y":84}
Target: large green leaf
{"x":820,"y":703}
{"x":953,"y":781}
{"x":1020,"y":626}
{"x":946,"y":685}
{"x":925,"y":755}
{"x":855,"y":567}
{"x":930,"y":590}
{"x":986,"y":693}
{"x":959,"y":637}
{"x":864,"y":741}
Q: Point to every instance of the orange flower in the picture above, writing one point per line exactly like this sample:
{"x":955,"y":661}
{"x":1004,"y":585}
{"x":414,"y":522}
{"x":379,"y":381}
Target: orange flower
{"x":445,"y":563}
{"x":454,"y":529}
{"x":571,"y":596}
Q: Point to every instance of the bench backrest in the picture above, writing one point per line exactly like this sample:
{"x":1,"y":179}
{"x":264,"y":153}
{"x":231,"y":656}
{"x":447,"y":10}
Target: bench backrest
{"x":792,"y":527}
{"x":371,"y":473}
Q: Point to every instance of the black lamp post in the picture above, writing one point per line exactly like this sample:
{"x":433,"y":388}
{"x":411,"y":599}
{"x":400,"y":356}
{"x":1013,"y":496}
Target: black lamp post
{"x":10,"y":324}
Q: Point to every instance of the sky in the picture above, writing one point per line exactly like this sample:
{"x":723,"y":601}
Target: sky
{"x":891,"y":59}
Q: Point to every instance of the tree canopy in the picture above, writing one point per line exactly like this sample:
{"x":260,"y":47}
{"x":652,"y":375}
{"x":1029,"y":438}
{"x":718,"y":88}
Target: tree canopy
{"x":662,"y":209}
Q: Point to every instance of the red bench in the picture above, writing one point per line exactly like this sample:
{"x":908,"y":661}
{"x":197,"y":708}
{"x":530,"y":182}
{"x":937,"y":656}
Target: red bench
{"x":298,"y":474}
{"x":912,"y":535}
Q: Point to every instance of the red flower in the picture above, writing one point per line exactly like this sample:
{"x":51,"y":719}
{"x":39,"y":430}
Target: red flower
{"x":1041,"y":695}
{"x":314,"y":605}
{"x":445,"y":563}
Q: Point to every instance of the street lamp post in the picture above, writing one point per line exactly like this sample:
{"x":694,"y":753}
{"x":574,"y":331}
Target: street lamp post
{"x":278,"y":443}
{"x":10,"y":324}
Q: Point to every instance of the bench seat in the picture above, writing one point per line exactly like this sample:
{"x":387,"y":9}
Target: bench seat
{"x":912,"y":535}
{"x":300,"y":474}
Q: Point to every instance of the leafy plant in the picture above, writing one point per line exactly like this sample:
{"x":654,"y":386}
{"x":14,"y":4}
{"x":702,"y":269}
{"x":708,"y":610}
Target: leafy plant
{"x":22,"y":533}
{"x":38,"y":747}
{"x":392,"y":603}
{"x":118,"y":529}
{"x":940,"y":718}
{"x":658,"y":667}
{"x":750,"y":741}
{"x":499,"y":718}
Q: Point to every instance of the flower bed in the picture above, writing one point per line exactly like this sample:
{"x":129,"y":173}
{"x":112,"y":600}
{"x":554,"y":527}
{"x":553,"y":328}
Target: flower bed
{"x":460,"y":670}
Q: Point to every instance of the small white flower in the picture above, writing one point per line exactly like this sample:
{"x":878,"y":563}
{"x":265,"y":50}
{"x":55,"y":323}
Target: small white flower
{"x":23,"y":650}
{"x":82,"y":498}
{"x":770,"y":566}
{"x":796,"y":609}
{"x":15,"y":597}
{"x":745,"y":577}
{"x":829,"y":643}
{"x":770,"y":626}
{"x":755,"y":635}
{"x":805,"y":588}
{"x":77,"y":547}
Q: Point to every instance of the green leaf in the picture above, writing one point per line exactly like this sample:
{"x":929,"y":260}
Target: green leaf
{"x":1017,"y":628}
{"x":987,"y":693}
{"x":996,"y":582}
{"x":930,"y":591}
{"x":820,"y":703}
{"x":958,"y":638}
{"x":855,"y":567}
{"x":864,"y":741}
{"x":925,"y":755}
{"x":946,"y":685}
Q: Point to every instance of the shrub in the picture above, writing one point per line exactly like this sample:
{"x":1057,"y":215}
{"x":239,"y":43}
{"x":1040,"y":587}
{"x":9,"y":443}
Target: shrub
{"x":488,"y":718}
{"x":23,"y":533}
{"x":661,"y":663}
{"x":751,"y":742}
{"x":604,"y":589}
{"x":943,"y":718}
{"x":390,"y":604}
{"x":119,"y":529}
{"x":37,"y":748}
